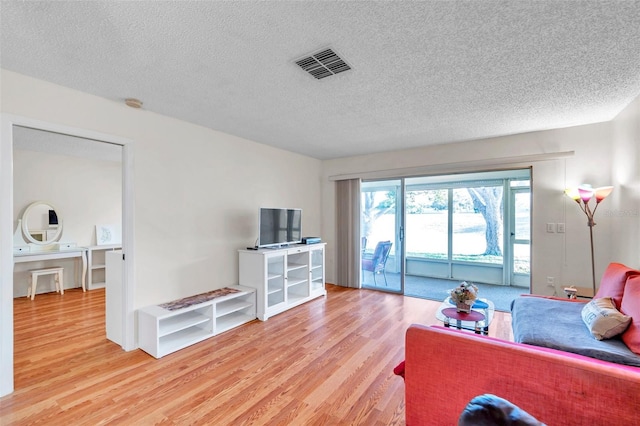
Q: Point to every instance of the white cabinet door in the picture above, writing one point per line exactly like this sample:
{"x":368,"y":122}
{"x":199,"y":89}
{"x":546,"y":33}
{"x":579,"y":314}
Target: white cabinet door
{"x":316,"y":271}
{"x":275,"y":279}
{"x":297,"y":276}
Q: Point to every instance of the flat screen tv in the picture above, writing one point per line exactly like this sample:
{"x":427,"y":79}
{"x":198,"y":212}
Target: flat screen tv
{"x":280,"y":227}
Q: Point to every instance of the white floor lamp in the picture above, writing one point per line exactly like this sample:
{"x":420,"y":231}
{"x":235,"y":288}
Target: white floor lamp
{"x":582,"y":195}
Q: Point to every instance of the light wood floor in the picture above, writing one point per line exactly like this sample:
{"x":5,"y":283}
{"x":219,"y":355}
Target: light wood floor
{"x":328,"y":362}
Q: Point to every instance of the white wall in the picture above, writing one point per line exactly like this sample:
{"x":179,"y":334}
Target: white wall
{"x":625,"y":210}
{"x":85,"y":192}
{"x":197,"y":191}
{"x":566,"y":257}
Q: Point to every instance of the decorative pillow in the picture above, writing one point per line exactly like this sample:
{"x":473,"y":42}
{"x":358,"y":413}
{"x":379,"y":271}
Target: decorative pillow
{"x":603,"y":319}
{"x":631,"y":306}
{"x":613,"y":282}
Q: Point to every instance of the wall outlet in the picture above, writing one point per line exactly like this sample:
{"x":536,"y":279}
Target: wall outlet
{"x":551,"y":227}
{"x":560,"y":228}
{"x":550,"y":281}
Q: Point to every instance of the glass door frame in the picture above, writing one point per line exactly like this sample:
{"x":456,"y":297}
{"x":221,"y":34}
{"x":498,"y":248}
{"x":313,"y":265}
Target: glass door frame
{"x":511,"y":276}
{"x":399,"y":226}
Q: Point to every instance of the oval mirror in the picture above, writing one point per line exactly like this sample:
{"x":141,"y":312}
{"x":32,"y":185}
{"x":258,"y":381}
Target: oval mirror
{"x":41,"y":224}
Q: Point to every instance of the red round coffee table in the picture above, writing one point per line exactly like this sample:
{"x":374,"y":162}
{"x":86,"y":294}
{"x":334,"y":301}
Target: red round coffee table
{"x":477,"y":320}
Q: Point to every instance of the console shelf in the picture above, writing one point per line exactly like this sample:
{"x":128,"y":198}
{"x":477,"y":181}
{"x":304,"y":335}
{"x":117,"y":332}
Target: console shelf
{"x":180,"y":339}
{"x":294,"y":266}
{"x":283,"y":278}
{"x":163,"y":331}
{"x":232,"y":320}
{"x":226,"y":308}
{"x":181,"y":322}
{"x":291,"y":283}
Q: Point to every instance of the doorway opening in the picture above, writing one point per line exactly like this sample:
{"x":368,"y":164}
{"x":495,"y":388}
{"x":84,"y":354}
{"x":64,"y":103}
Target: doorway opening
{"x":9,"y":125}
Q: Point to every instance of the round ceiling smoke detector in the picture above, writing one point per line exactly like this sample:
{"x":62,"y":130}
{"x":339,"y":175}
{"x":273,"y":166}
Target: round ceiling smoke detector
{"x":133,"y":102}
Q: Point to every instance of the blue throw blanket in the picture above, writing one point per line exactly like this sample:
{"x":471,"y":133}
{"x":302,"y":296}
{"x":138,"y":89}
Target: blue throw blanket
{"x":558,"y":324}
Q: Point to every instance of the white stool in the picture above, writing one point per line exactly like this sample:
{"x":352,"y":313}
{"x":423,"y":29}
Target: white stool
{"x":35,"y":273}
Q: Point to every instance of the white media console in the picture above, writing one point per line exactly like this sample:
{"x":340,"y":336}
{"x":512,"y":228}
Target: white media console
{"x":271,"y":281}
{"x":284,"y":277}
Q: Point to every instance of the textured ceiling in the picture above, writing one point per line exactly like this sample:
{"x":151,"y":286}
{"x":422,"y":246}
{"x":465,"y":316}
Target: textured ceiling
{"x":423,"y":72}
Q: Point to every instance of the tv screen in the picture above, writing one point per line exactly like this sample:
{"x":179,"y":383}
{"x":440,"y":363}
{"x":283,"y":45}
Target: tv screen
{"x":279,"y":227}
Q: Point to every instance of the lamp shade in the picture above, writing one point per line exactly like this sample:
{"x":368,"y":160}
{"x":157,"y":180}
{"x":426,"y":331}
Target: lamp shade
{"x":602,"y":192}
{"x":572,"y":193}
{"x":586,"y":192}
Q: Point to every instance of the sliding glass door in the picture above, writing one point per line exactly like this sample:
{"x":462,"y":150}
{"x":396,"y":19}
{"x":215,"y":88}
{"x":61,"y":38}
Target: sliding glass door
{"x":466,"y":227}
{"x":381,"y":240}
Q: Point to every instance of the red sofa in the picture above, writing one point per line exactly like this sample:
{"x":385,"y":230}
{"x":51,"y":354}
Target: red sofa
{"x":445,"y":368}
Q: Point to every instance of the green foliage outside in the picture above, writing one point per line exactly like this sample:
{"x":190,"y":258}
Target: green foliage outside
{"x":468,"y":203}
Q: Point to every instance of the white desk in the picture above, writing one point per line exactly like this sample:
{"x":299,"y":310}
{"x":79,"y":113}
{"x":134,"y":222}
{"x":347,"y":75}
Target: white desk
{"x":74,"y":252}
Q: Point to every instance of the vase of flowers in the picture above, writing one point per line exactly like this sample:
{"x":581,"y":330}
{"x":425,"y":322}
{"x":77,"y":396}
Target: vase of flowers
{"x":463,"y":296}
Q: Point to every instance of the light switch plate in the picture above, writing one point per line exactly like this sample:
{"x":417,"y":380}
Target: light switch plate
{"x":551,"y":227}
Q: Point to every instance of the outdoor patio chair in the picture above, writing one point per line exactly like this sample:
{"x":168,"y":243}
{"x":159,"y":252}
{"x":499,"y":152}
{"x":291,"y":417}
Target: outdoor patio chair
{"x":376,"y":264}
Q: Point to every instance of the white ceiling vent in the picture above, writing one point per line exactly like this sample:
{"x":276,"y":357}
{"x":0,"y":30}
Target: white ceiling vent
{"x":324,"y":63}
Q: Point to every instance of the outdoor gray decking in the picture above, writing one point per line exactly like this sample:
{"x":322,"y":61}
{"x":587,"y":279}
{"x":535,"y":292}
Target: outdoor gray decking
{"x":437,"y":289}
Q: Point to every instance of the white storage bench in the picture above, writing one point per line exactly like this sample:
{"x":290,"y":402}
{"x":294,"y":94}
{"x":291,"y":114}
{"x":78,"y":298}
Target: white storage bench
{"x":166,"y":328}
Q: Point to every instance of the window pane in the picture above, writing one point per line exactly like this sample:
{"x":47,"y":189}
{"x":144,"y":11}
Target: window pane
{"x":522,"y":208}
{"x":521,"y":259}
{"x":519,"y":183}
{"x":477,"y":224}
{"x":378,"y":218}
{"x":427,"y":225}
